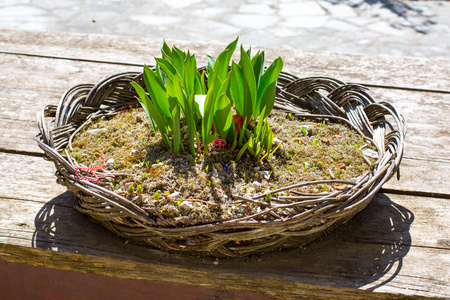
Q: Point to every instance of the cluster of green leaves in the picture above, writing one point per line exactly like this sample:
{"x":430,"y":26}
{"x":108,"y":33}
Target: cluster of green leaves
{"x":172,"y":86}
{"x":253,"y":91}
{"x":175,"y":86}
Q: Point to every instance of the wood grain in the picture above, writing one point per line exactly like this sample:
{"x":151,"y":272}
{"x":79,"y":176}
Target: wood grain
{"x":399,"y":71}
{"x":217,"y":281}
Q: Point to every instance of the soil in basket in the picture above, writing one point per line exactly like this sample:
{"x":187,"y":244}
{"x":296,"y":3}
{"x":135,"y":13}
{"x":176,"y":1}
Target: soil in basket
{"x":179,"y":190}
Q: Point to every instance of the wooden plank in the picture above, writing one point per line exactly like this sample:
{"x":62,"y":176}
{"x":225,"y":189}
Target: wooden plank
{"x":46,"y":81}
{"x":399,"y":71}
{"x":152,"y":278}
{"x":398,"y":244}
{"x":422,"y":177}
{"x":27,"y":177}
{"x":428,"y":121}
{"x":46,"y":283}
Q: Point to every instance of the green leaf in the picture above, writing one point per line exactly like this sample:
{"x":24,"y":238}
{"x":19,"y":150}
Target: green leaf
{"x":224,"y":57}
{"x":237,"y":89}
{"x":211,"y":61}
{"x":251,"y":145}
{"x":179,"y":52}
{"x":153,"y":112}
{"x":259,"y":126}
{"x":166,"y":52}
{"x":269,"y":77}
{"x":176,"y":129}
{"x":243,"y":130}
{"x":190,"y":120}
{"x":160,"y":74}
{"x":202,"y":83}
{"x":189,"y":74}
{"x":269,"y":136}
{"x":177,"y":60}
{"x":249,"y":82}
{"x":258,"y":66}
{"x":208,"y":113}
{"x":166,"y":66}
{"x":143,"y":99}
{"x":223,"y":116}
{"x":267,"y":100}
{"x":157,"y":91}
{"x":224,"y":85}
{"x":199,"y":83}
{"x":175,"y":93}
{"x":238,"y":157}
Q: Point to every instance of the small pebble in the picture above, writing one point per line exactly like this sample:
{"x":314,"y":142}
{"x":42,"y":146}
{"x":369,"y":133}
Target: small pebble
{"x":110,"y":163}
{"x":186,"y":205}
{"x":257,"y":185}
{"x":158,"y":165}
{"x":341,"y":166}
{"x":174,"y":195}
{"x":265,"y":174}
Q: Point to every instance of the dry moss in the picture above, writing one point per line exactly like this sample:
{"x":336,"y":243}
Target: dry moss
{"x":179,"y":190}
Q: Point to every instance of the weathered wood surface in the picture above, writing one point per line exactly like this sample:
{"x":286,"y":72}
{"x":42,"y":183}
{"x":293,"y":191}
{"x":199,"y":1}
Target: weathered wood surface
{"x":428,"y":73}
{"x":395,"y":245}
{"x":400,"y":244}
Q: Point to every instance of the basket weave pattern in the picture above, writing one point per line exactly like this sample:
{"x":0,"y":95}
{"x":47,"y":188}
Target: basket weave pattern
{"x":310,"y":215}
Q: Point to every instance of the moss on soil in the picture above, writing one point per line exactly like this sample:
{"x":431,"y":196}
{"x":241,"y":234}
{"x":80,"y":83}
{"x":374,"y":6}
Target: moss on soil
{"x":179,"y":190}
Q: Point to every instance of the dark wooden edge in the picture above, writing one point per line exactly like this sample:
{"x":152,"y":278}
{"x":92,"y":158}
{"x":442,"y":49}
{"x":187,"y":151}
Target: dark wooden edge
{"x":64,"y":269}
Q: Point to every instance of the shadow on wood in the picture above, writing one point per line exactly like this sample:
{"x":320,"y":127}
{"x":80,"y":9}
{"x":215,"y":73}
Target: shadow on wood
{"x":366,"y":252}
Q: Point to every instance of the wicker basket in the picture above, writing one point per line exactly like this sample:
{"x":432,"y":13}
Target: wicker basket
{"x":312,"y":215}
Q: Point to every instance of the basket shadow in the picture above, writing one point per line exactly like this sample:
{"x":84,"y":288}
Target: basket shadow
{"x":365,"y":252}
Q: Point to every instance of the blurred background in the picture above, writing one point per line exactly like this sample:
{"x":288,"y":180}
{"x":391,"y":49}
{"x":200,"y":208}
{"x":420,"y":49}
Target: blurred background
{"x":386,"y":27}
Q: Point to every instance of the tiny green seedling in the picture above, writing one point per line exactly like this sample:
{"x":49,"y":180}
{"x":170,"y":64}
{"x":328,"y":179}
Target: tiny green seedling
{"x":303,"y":130}
{"x":139,"y":189}
{"x":131,"y":190}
